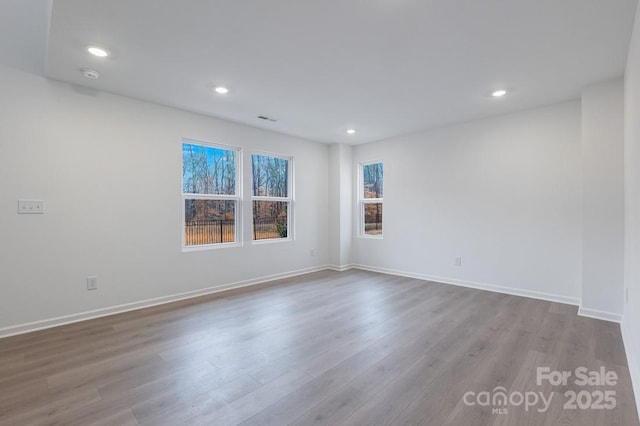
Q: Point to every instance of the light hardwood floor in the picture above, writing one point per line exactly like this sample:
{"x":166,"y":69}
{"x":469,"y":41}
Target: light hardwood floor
{"x":326,"y":348}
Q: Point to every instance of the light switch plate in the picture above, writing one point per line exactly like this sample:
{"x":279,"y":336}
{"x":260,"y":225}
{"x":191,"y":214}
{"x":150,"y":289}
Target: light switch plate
{"x":30,"y":207}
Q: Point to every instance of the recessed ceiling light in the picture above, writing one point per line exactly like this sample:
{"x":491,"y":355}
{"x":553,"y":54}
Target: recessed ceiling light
{"x":98,"y":51}
{"x":499,"y":93}
{"x":351,"y":131}
{"x":222,"y":90}
{"x":92,"y":74}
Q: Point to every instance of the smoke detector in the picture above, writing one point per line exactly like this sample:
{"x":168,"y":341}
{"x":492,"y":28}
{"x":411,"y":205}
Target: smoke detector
{"x":92,"y":74}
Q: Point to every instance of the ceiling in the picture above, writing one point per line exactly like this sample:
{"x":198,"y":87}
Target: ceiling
{"x":23,"y":34}
{"x":382,"y":67}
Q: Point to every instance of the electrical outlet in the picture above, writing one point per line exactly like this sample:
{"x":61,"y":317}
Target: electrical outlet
{"x":30,"y":207}
{"x":457,"y":261}
{"x":312,"y":252}
{"x":626,"y":295}
{"x":92,"y":283}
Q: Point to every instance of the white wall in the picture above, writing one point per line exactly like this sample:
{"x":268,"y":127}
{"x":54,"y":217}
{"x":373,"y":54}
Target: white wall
{"x":603,"y":200}
{"x":109,"y":170}
{"x":631,"y":322}
{"x":503,"y":193}
{"x":341,"y":196}
{"x":340,"y":214}
{"x":334,"y":217}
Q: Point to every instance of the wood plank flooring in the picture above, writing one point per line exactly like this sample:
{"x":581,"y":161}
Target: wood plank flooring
{"x":352,"y":348}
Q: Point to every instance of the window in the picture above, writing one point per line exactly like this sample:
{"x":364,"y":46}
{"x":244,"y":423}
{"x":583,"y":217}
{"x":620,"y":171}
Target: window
{"x":371,"y":178}
{"x":271,"y":196}
{"x":210,"y":194}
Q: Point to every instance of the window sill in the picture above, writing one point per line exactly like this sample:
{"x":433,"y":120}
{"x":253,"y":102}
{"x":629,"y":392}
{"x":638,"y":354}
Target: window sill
{"x":204,"y":247}
{"x":271,"y":240}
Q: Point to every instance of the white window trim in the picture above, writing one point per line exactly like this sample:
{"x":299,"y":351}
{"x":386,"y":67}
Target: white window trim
{"x":237,"y":198}
{"x":364,"y":201}
{"x":290,"y":199}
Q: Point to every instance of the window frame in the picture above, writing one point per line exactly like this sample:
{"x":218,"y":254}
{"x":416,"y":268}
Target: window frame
{"x":290,"y":199}
{"x":362,"y":201}
{"x":237,"y":198}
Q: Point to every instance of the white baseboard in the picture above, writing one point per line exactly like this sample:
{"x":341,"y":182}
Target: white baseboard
{"x":97,"y":313}
{"x":633,"y":361}
{"x":601,"y":315}
{"x":477,"y":285}
{"x":102,"y":312}
{"x":340,"y":268}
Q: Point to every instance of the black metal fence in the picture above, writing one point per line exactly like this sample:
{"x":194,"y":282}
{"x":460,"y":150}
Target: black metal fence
{"x":199,"y":232}
{"x":376,"y":226}
{"x":269,"y":227}
{"x":373,"y":218}
{"x":373,"y":229}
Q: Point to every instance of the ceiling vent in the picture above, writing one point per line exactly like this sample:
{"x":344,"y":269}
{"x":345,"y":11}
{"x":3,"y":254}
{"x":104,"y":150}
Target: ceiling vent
{"x":264,"y":117}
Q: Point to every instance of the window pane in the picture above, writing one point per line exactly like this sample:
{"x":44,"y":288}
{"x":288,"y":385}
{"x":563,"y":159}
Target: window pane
{"x":209,"y":222}
{"x":270,"y":176}
{"x":270,"y":219}
{"x":208,"y":170}
{"x":373,"y":179}
{"x":373,"y":218}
